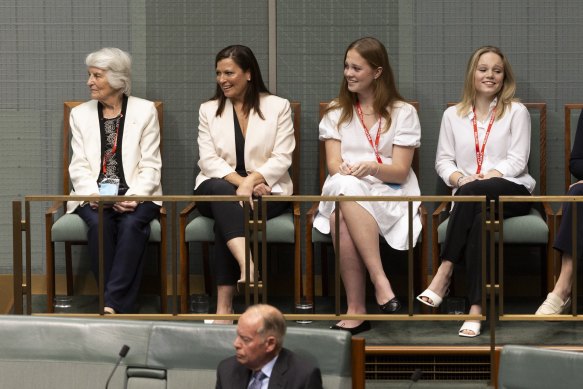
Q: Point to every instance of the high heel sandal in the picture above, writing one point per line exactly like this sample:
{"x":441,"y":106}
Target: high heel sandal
{"x":436,"y":299}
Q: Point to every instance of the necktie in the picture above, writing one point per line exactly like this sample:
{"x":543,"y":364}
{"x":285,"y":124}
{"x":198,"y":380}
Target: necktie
{"x":257,"y":380}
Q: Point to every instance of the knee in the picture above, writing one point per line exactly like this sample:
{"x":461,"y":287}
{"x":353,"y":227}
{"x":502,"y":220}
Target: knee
{"x":576,"y":190}
{"x":472,"y":188}
{"x":219,"y":186}
{"x":128,"y":223}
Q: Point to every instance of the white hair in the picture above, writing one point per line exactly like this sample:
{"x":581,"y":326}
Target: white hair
{"x":117,"y":65}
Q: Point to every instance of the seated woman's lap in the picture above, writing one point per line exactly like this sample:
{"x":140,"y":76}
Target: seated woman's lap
{"x":228,"y":215}
{"x":575,"y":190}
{"x":345,"y":185}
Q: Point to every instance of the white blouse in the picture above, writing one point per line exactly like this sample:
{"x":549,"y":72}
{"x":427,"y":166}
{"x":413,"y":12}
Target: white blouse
{"x":391,"y":216}
{"x":507,"y":149}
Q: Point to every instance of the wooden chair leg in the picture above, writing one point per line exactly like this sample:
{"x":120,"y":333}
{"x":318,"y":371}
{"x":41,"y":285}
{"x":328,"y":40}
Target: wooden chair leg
{"x":50,"y":278}
{"x":324,"y":276}
{"x":206,"y":269}
{"x":309,"y":271}
{"x":69,"y":268}
{"x":298,"y":287}
{"x":184,"y":276}
{"x":163,"y":278}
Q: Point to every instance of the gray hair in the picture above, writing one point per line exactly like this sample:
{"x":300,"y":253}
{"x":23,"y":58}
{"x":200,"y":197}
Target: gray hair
{"x":117,"y":65}
{"x":273,"y":322}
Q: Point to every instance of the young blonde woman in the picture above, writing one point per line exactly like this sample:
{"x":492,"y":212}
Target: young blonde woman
{"x":483,"y":149}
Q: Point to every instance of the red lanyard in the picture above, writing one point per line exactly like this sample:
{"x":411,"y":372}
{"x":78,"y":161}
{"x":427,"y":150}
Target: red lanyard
{"x":480,"y":154}
{"x":375,"y":145}
{"x":111,"y":153}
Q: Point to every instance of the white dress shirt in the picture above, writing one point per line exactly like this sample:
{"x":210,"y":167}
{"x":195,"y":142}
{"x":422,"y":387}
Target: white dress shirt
{"x":507,"y":149}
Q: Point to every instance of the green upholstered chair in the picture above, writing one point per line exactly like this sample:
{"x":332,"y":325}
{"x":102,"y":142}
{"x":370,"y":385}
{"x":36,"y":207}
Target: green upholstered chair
{"x":282,"y":229}
{"x":315,"y":237}
{"x":523,"y":367}
{"x":534,"y":229}
{"x":72,"y":230}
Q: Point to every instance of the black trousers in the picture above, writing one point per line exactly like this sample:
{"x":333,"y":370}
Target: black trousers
{"x":464,"y":230}
{"x":125,"y":236}
{"x":563,"y":241}
{"x":229,"y":224}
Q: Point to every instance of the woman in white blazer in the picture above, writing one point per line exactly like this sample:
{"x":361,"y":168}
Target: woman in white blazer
{"x":245,"y":140}
{"x":116,"y":151}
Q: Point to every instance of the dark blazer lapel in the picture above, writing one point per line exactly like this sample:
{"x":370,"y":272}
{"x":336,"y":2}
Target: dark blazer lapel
{"x":241,"y":376}
{"x":277,"y":379}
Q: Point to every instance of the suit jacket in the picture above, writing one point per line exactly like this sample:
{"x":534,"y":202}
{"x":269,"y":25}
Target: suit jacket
{"x":142,"y":163}
{"x":289,"y":372}
{"x":269,"y":143}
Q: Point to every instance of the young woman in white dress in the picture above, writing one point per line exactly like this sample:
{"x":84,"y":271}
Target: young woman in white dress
{"x":370,"y":135}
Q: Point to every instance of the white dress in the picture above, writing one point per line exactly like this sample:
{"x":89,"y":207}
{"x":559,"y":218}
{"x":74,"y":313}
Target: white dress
{"x":391,"y":217}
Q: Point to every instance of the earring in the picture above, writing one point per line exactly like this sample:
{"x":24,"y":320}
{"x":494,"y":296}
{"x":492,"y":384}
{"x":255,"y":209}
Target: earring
{"x":248,"y":80}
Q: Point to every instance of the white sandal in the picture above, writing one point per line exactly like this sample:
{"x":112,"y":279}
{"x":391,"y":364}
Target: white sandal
{"x":553,"y":305}
{"x":470,"y":326}
{"x":430,"y":295}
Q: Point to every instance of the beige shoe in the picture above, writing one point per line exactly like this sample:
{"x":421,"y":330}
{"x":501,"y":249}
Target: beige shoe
{"x":108,"y":311}
{"x":553,"y":305}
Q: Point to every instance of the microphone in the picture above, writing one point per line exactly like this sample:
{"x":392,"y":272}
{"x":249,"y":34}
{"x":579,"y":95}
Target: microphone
{"x":122,"y":354}
{"x":415,"y":377}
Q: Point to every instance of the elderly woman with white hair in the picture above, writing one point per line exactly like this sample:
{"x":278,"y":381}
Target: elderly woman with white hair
{"x":116,"y":151}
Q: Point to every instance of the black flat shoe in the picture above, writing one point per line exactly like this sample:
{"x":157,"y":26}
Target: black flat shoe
{"x":364,"y":326}
{"x":391,"y":306}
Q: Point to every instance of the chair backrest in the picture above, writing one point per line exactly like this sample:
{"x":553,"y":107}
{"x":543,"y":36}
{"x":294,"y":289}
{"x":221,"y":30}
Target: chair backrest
{"x":68,"y":106}
{"x":295,"y":167}
{"x":569,"y":108}
{"x":164,"y":353}
{"x":538,"y":145}
{"x":322,"y":169}
{"x":534,"y":368}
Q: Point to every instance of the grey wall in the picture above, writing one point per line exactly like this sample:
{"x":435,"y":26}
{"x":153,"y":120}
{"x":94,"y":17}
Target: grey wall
{"x":43,"y":45}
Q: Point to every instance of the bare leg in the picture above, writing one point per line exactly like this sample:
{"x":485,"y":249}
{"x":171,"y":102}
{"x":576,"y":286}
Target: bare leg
{"x":440,"y":283}
{"x":364,"y":231}
{"x":225,"y":295}
{"x":237,"y":247}
{"x":352,"y":271}
{"x":563,"y":285}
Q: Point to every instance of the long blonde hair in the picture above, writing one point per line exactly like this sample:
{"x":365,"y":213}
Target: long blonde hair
{"x":505,"y":95}
{"x":384,"y":87}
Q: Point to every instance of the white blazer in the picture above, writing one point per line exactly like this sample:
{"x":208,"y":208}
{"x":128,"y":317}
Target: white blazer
{"x":269,"y":142}
{"x":142,"y":163}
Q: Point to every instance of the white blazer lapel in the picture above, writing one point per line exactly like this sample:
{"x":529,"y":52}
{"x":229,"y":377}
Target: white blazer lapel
{"x":93,"y":136}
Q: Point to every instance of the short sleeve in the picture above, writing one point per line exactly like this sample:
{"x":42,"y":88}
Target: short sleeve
{"x":406,"y":126}
{"x":329,"y":126}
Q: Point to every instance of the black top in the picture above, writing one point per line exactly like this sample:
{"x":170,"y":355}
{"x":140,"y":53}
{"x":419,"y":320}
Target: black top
{"x":113,"y":162}
{"x":239,"y":147}
{"x":576,"y":162}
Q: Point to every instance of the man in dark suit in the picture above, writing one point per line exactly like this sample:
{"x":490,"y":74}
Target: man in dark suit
{"x":261,"y":362}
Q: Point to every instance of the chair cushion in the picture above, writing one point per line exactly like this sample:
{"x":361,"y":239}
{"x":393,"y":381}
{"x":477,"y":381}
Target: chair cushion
{"x":280,"y":229}
{"x":70,"y":227}
{"x":528,"y":229}
{"x":318,"y":237}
